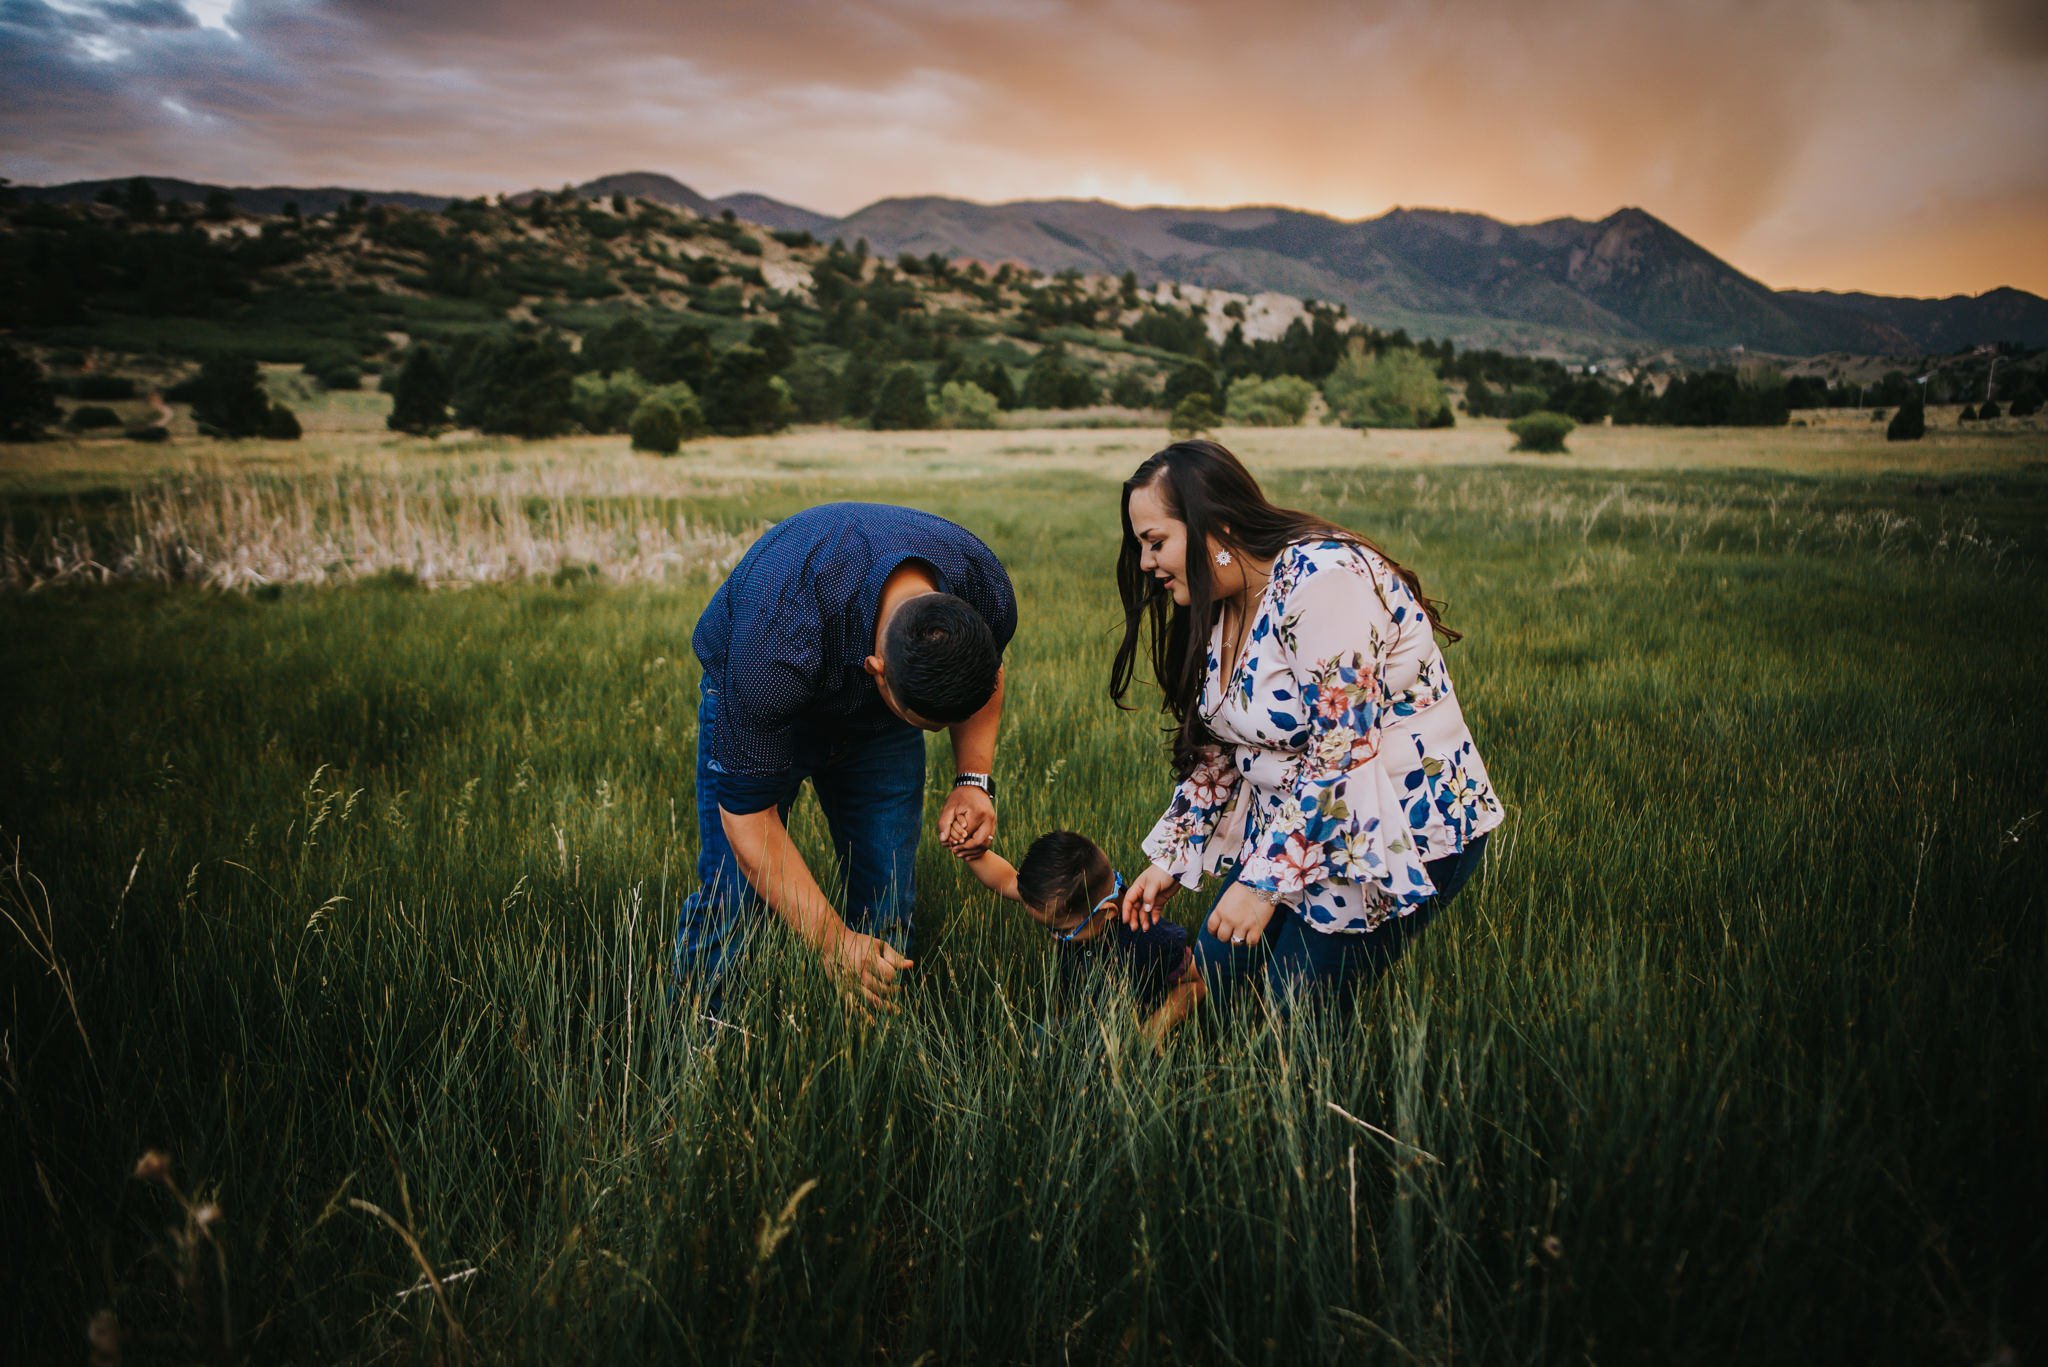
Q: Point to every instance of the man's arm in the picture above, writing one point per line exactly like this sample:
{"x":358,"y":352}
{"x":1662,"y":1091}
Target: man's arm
{"x":864,"y":966}
{"x":967,"y":823}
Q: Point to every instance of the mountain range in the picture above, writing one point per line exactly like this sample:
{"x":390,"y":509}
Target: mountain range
{"x":1628,"y":281}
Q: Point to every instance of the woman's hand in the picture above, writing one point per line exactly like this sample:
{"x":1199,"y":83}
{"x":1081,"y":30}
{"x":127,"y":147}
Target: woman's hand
{"x":1240,"y":917}
{"x":1147,"y":893}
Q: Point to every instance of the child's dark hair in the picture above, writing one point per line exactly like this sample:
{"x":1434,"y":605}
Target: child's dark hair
{"x":1059,"y":874}
{"x":941,"y":657}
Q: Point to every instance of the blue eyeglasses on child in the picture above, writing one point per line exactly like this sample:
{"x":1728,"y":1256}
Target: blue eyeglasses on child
{"x":1109,"y":903}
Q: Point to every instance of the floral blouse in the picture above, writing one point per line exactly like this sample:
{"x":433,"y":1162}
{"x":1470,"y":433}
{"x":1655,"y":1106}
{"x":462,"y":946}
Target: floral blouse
{"x":1348,"y":765}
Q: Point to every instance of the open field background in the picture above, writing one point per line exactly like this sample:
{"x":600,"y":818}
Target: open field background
{"x":351,"y":894}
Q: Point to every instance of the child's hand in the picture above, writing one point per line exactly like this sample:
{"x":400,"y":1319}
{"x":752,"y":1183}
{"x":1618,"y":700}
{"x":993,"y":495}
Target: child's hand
{"x":1241,"y":917}
{"x":1147,"y":893}
{"x":967,"y":822}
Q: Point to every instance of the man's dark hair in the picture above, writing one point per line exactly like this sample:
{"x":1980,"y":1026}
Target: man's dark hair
{"x":940,"y":657}
{"x":1059,"y":874}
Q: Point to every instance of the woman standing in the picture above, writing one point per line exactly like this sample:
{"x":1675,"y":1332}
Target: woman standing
{"x":1319,"y":746}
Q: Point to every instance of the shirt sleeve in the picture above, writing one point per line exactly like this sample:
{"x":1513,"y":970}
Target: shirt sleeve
{"x":1341,"y":821}
{"x":1194,"y":834}
{"x":772,"y":674}
{"x":992,"y":595}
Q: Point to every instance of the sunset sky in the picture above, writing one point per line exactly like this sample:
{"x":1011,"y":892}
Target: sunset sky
{"x":1890,"y":145}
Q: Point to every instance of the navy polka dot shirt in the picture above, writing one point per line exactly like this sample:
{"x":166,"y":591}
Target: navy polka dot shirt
{"x":784,"y":638}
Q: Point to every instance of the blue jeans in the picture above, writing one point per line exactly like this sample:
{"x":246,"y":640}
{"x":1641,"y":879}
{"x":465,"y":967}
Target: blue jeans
{"x":872,"y":794}
{"x":1299,"y":961}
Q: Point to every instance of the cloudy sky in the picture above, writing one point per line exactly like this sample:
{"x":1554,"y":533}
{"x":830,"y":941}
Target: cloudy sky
{"x":1890,"y":145}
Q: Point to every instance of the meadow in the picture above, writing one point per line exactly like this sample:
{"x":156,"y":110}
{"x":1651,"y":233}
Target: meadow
{"x":345,"y":814}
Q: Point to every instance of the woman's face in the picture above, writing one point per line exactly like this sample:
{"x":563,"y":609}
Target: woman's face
{"x":1162,"y":542}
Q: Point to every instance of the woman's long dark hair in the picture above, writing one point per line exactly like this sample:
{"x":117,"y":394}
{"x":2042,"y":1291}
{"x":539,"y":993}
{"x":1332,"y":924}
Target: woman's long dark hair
{"x":1208,"y":488}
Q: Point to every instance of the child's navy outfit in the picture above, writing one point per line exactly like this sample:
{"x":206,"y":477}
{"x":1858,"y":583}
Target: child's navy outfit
{"x":1149,"y":960}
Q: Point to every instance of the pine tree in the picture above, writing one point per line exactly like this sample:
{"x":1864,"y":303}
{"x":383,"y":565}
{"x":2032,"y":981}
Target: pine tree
{"x":228,"y":398}
{"x":27,"y":407}
{"x":740,"y":398}
{"x":902,"y":404}
{"x":420,"y":393}
{"x":1909,"y":423}
{"x":518,"y":385}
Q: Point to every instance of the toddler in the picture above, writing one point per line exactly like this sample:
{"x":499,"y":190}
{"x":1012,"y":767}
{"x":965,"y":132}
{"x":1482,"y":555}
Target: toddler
{"x":1067,"y":884}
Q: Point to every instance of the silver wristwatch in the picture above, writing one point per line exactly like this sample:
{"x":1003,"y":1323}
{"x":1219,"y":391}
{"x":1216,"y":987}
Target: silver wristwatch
{"x":985,"y":782}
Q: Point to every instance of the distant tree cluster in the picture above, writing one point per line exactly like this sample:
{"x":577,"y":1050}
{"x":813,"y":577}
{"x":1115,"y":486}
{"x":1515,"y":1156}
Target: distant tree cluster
{"x":1709,"y":398}
{"x":1394,"y":387}
{"x":631,"y":300}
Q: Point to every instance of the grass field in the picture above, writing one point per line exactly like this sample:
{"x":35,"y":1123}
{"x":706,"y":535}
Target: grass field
{"x":350,"y":894}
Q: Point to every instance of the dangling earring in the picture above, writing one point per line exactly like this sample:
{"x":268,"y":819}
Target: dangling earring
{"x":1223,"y":557}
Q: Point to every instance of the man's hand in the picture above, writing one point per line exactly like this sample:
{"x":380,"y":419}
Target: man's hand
{"x":1146,"y":895}
{"x":866,"y":969}
{"x":1241,"y":917}
{"x":967,"y":823}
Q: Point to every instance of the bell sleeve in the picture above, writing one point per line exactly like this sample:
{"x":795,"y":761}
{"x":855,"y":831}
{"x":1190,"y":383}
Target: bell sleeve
{"x":1339,"y":821}
{"x":1203,"y":824}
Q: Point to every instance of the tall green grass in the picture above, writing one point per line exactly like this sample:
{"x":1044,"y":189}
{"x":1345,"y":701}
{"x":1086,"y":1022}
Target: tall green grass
{"x":358,"y":901}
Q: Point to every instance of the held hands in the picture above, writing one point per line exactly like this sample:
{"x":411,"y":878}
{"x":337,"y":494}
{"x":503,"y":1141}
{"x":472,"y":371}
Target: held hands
{"x":865,"y":969}
{"x":967,"y":823}
{"x":1146,"y":895}
{"x":1241,"y":917}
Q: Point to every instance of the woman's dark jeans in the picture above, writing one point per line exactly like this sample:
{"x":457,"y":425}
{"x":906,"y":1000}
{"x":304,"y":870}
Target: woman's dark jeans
{"x":1299,"y":962}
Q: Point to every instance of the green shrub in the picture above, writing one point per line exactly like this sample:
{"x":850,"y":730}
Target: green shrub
{"x":689,"y":409}
{"x":1987,"y":412}
{"x":91,"y":417}
{"x":1969,"y":414}
{"x":626,"y":343}
{"x":902,"y":403}
{"x":656,"y":426}
{"x":813,"y":389}
{"x":962,"y":403}
{"x":148,"y":434}
{"x":1131,"y":390}
{"x":1055,"y":382}
{"x":1541,"y":431}
{"x":1192,"y":378}
{"x":1396,"y":388}
{"x":335,"y":372}
{"x":995,"y":378}
{"x":1279,"y":402}
{"x":281,"y":424}
{"x":606,"y":403}
{"x":1191,"y":417}
{"x":1910,"y":422}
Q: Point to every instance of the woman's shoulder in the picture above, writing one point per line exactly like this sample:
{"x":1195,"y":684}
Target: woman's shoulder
{"x":1309,"y":556}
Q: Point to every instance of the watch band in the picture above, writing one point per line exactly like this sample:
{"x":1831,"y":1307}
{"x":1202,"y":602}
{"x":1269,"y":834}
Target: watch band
{"x":985,"y":782}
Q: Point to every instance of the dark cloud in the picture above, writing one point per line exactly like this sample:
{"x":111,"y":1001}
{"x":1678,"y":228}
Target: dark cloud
{"x":150,"y":14}
{"x":1792,"y":136}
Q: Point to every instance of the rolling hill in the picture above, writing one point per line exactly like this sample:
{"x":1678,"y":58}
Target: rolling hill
{"x":1625,"y":282}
